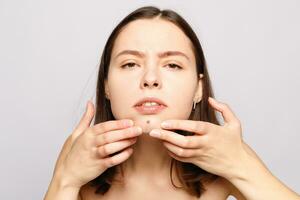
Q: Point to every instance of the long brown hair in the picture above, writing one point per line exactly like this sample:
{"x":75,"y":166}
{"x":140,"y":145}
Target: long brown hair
{"x":191,"y":176}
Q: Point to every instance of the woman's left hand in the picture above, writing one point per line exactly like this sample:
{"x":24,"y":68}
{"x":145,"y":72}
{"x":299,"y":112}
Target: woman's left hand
{"x":216,"y":149}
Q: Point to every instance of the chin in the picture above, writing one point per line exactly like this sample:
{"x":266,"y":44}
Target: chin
{"x":148,"y":122}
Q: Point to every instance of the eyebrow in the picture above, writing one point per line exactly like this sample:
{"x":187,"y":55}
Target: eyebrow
{"x":160,"y":55}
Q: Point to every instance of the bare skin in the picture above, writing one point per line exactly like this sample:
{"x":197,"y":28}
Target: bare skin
{"x":148,"y":71}
{"x":218,"y":190}
{"x":150,"y":177}
{"x":151,"y":75}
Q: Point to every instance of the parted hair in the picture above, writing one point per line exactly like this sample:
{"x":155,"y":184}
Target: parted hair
{"x":191,"y":176}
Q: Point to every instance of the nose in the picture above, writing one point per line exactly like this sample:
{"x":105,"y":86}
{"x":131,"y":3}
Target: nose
{"x":151,"y":80}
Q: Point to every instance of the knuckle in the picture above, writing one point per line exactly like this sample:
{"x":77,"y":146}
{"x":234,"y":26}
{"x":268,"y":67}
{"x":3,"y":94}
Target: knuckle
{"x":100,"y":152}
{"x":187,"y":142}
{"x":130,"y":131}
{"x":102,"y":127}
{"x":204,"y":140}
{"x":104,"y":139}
{"x":109,"y":162}
{"x":106,"y":126}
{"x":181,"y":152}
{"x":96,"y":152}
{"x":197,"y":127}
{"x":104,"y":150}
{"x":164,"y":136}
{"x":119,"y":123}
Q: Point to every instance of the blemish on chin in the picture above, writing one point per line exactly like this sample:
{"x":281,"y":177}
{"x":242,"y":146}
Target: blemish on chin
{"x":148,"y":121}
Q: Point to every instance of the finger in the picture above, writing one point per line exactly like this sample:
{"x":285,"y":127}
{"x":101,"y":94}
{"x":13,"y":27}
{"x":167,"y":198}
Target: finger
{"x":105,"y":150}
{"x":199,"y":127}
{"x":86,"y":119}
{"x":181,"y":152}
{"x":116,"y":135}
{"x":118,"y":158}
{"x":191,"y":142}
{"x":112,"y":125}
{"x":227,"y":113}
{"x":182,"y":159}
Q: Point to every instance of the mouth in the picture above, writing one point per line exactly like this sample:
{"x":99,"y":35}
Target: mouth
{"x":150,"y":105}
{"x":149,"y":109}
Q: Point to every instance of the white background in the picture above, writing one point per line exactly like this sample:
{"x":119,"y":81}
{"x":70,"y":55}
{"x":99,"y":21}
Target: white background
{"x":49,"y":55}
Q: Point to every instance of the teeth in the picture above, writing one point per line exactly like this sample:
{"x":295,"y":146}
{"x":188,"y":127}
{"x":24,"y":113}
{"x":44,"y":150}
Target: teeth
{"x":150,"y":104}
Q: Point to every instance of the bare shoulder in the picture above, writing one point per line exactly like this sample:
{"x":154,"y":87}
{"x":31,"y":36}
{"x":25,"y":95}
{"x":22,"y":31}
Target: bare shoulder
{"x":229,"y":188}
{"x":218,"y":189}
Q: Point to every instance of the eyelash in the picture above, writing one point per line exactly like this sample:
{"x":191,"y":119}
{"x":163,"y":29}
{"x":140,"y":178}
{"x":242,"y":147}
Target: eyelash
{"x":130,"y":63}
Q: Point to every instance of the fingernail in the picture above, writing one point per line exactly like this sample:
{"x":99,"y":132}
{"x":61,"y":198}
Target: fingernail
{"x":155,"y":133}
{"x":140,"y":130}
{"x":165,"y":125}
{"x":213,"y":99}
{"x":128,"y":122}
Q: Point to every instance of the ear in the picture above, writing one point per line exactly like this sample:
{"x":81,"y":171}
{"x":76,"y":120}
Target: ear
{"x":106,"y":89}
{"x":198,"y":93}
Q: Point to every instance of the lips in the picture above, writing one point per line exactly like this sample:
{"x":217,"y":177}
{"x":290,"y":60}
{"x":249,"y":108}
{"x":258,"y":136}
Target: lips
{"x":149,"y":99}
{"x":149,"y":109}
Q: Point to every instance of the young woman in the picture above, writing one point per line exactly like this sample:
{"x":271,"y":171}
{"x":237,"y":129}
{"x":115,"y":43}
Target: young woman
{"x":153,"y":70}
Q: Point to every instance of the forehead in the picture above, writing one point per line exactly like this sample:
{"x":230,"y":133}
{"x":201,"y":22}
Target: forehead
{"x":155,"y":35}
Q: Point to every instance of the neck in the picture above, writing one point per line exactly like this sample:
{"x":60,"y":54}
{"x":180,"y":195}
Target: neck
{"x":149,"y":159}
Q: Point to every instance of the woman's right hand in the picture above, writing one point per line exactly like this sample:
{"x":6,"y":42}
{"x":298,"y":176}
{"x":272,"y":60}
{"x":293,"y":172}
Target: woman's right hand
{"x":88,"y":155}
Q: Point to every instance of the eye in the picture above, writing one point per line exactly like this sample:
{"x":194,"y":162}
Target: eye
{"x":173,"y":66}
{"x":130,"y":65}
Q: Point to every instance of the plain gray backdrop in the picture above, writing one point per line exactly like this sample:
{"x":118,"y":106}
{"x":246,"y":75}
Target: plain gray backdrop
{"x":49,"y":56}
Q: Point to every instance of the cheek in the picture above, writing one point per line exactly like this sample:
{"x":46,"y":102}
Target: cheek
{"x":120,"y":97}
{"x":181,"y":108}
{"x":181,"y":101}
{"x":120,"y":105}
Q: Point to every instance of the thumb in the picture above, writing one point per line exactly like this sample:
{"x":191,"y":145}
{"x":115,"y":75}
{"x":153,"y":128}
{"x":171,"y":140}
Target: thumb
{"x":85,"y":120}
{"x":225,"y":110}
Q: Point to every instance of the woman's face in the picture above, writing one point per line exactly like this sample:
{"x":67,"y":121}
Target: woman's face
{"x":152,"y":74}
